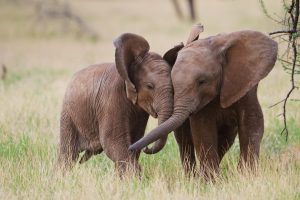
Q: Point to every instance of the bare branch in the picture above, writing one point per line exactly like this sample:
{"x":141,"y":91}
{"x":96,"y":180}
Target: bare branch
{"x":265,"y":11}
{"x":277,"y":103}
{"x":292,"y":87}
{"x":289,"y":63}
{"x":284,"y":31}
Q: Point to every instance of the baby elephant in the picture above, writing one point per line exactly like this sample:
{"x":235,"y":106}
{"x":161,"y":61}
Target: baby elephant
{"x":215,"y":82}
{"x":106,"y":106}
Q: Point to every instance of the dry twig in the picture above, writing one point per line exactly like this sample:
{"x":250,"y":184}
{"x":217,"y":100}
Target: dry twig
{"x":289,"y":59}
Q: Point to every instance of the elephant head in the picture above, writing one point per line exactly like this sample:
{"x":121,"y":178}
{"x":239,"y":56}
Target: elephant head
{"x":225,"y":66}
{"x":147,"y":79}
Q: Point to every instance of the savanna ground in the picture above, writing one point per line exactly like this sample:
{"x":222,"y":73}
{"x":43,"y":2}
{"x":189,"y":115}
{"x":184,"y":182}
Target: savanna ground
{"x":41,"y":59}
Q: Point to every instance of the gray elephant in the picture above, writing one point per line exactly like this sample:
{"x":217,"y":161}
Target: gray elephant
{"x":106,"y":106}
{"x":215,"y":97}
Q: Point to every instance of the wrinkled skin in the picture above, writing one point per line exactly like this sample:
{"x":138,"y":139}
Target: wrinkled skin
{"x":106,"y":106}
{"x":215,"y":98}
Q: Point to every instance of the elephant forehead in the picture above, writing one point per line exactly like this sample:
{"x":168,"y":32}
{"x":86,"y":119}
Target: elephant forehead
{"x":200,"y":60}
{"x":154,"y":62}
{"x":156,"y":67}
{"x":195,"y":53}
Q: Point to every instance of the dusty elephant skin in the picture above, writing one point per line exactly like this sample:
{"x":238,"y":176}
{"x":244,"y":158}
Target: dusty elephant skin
{"x":106,"y":106}
{"x":215,"y":98}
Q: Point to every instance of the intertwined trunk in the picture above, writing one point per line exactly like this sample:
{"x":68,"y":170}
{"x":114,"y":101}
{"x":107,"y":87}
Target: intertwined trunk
{"x":181,"y":113}
{"x":164,"y":106}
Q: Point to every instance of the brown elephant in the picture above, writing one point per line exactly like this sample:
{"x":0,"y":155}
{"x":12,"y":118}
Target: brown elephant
{"x":191,"y":5}
{"x":106,"y":106}
{"x":215,"y":97}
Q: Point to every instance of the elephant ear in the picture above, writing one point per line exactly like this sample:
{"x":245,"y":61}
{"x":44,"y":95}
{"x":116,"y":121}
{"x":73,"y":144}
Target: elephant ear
{"x":171,"y":55}
{"x":247,"y":57}
{"x":130,"y":51}
{"x":195,"y":32}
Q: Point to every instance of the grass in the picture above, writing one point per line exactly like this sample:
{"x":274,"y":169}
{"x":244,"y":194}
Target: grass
{"x":40,"y":63}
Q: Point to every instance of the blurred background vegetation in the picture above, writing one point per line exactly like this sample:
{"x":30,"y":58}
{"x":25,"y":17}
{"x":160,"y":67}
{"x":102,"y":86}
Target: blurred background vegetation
{"x":44,"y":42}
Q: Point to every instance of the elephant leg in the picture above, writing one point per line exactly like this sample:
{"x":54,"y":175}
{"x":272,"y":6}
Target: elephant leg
{"x":128,"y":165}
{"x":68,"y":150}
{"x":184,"y":140}
{"x":177,"y":9}
{"x":226,"y":137}
{"x":116,"y":140}
{"x":125,"y":161}
{"x":192,"y":9}
{"x":115,"y":146}
{"x":250,"y":129}
{"x":205,"y":138}
{"x":88,"y":154}
{"x":128,"y":160}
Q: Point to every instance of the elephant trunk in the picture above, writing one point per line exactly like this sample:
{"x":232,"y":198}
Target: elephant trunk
{"x":181,"y":113}
{"x":165,"y":109}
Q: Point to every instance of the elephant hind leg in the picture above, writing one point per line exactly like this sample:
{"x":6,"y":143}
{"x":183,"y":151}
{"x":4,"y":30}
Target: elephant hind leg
{"x":226,"y":137}
{"x":68,"y":147}
{"x":88,"y":154}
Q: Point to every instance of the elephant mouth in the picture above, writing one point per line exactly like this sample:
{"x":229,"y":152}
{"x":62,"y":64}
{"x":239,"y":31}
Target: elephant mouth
{"x":152,"y":112}
{"x":154,"y":115}
{"x":196,"y":109}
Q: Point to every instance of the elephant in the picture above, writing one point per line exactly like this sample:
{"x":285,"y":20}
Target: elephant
{"x":191,"y":6}
{"x":215,"y":82}
{"x":4,"y":72}
{"x":106,"y":106}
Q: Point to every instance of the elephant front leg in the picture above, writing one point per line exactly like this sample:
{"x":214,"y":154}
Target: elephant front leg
{"x":184,"y":140}
{"x":205,"y":138}
{"x":118,"y":137}
{"x":251,"y":129}
{"x":116,"y":148}
{"x":128,"y":165}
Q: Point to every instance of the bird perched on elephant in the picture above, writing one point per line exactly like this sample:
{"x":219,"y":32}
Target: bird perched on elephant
{"x":106,"y":106}
{"x":215,"y":82}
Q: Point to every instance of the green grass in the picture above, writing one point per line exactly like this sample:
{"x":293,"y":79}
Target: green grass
{"x":41,"y":62}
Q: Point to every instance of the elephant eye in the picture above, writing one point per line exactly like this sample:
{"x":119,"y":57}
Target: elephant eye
{"x":150,"y":86}
{"x":201,"y":82}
